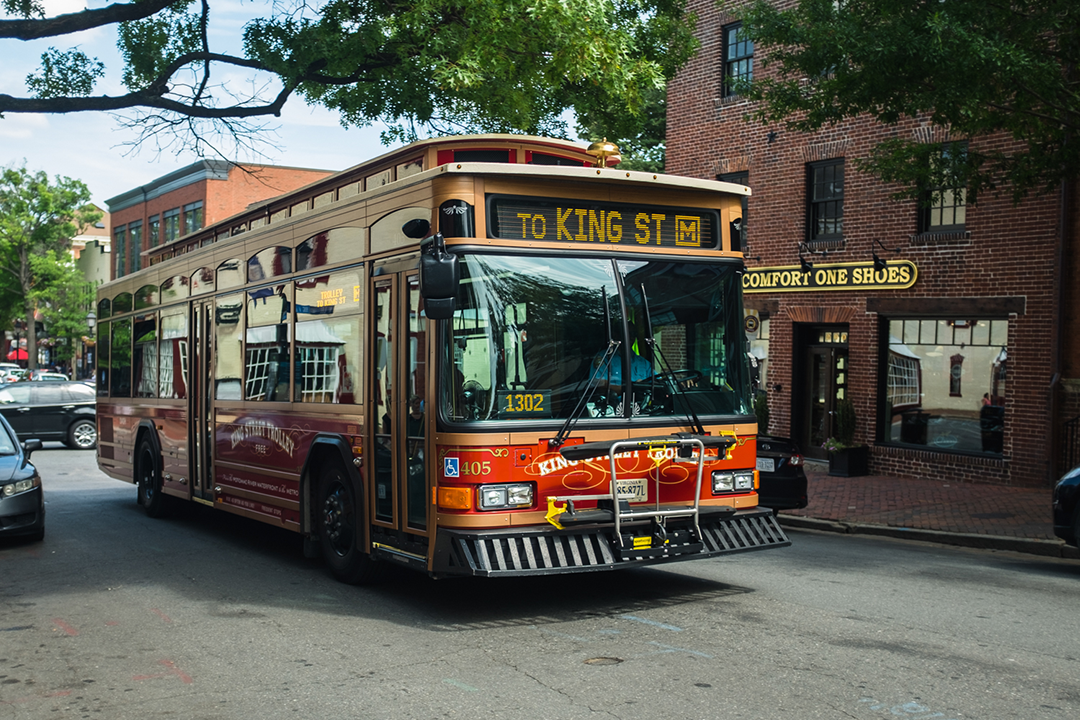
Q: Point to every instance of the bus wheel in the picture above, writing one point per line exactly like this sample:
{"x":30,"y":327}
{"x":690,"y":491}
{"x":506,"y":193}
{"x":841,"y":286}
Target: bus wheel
{"x":341,"y":528}
{"x":148,"y":481}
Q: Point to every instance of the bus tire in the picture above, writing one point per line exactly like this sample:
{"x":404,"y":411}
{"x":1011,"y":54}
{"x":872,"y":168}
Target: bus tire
{"x":340,"y":524}
{"x":148,"y":481}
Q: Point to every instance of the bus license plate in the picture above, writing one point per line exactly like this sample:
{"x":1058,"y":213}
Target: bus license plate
{"x":638,"y":487}
{"x":766,"y":464}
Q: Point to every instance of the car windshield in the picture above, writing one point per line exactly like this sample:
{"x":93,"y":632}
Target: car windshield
{"x":7,"y":443}
{"x":529,"y":337}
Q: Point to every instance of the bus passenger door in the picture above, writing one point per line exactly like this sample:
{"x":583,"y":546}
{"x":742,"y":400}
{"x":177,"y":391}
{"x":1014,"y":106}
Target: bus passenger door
{"x":200,"y":404}
{"x":398,"y":476}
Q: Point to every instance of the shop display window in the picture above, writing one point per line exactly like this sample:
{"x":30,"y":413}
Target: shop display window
{"x":946,"y":384}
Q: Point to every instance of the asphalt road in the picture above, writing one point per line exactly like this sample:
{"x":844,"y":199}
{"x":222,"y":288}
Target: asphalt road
{"x":205,"y":615}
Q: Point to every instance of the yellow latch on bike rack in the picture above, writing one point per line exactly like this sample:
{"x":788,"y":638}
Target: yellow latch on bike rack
{"x":554,"y":511}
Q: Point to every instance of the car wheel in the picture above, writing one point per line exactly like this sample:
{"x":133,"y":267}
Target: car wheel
{"x":82,"y":435}
{"x":340,"y":524}
{"x":148,"y":480}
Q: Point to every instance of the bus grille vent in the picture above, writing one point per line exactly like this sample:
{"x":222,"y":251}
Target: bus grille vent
{"x":535,"y":553}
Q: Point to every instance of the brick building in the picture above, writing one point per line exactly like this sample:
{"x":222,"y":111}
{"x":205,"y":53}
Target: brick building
{"x":947,"y":327}
{"x":189,"y":199}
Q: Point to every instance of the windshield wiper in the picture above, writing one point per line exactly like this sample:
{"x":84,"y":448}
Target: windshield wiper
{"x":695,"y":422}
{"x":605,"y":365}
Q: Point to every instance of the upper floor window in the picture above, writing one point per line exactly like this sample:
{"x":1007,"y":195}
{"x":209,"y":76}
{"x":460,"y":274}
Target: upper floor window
{"x":738,"y":57}
{"x":825,"y":199}
{"x":193,"y":217}
{"x":153,"y":231}
{"x":118,"y":249}
{"x":135,"y":236}
{"x":944,"y":209}
{"x":171,"y":222}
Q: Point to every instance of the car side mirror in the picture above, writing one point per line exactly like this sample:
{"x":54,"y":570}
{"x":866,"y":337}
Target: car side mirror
{"x":30,"y":446}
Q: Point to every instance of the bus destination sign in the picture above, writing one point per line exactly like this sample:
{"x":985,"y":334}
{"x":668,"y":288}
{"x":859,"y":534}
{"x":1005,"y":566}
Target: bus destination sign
{"x":574,"y":221}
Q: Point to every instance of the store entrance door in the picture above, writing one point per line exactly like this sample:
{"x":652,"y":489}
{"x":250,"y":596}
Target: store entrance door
{"x":824,"y":354}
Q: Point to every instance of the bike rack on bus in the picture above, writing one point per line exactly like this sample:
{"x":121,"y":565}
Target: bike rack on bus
{"x":687,"y":448}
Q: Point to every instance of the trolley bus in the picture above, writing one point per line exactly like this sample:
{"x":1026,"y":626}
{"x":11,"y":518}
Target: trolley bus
{"x":483,"y":355}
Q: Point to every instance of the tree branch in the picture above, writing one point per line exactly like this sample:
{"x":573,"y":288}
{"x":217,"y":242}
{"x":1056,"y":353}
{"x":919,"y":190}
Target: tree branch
{"x":85,"y":20}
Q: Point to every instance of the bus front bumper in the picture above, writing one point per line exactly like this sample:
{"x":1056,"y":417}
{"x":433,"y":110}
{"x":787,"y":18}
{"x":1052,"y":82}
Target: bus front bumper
{"x":548,"y":551}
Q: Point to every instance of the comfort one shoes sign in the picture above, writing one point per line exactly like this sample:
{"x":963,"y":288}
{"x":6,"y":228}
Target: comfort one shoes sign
{"x":894,"y":275}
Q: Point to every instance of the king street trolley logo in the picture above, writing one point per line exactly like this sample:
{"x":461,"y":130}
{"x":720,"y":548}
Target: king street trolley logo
{"x":896,"y":275}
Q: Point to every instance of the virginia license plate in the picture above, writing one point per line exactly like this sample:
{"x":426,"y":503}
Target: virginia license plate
{"x":766,"y":464}
{"x":638,"y":487}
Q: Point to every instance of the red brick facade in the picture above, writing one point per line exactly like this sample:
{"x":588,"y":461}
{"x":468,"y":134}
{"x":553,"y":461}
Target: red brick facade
{"x":1008,"y":263}
{"x":223,"y":189}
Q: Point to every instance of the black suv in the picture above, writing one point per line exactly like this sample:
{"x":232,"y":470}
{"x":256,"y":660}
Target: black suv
{"x":51,"y":411}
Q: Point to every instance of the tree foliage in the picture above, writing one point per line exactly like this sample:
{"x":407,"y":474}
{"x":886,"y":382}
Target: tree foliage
{"x":420,"y":65}
{"x":38,"y":220}
{"x":62,"y":296}
{"x":974,"y":67}
{"x":641,"y":140}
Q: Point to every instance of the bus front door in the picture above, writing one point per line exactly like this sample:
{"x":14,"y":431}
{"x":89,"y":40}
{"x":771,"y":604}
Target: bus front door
{"x":398,"y":486}
{"x":201,"y":405}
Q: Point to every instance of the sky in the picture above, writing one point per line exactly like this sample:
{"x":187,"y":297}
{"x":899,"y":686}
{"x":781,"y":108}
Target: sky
{"x":91,"y":146}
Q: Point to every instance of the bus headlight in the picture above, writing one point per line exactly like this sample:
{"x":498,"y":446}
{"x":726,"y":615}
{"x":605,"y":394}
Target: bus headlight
{"x":501,"y":497}
{"x":725,"y":481}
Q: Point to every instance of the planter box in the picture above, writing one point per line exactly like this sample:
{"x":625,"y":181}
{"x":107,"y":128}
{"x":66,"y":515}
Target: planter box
{"x":850,"y":462}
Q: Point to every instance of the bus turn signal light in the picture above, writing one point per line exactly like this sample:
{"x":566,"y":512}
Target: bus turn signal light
{"x":455,"y":498}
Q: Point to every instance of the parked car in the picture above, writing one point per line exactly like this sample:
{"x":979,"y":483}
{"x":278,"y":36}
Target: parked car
{"x":782,"y":478}
{"x":14,"y":374}
{"x":62,"y":411}
{"x":22,"y":502}
{"x":41,"y":375}
{"x":1066,"y":505}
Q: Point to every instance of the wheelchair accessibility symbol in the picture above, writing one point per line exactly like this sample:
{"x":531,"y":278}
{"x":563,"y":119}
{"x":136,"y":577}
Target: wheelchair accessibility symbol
{"x":450,"y":467}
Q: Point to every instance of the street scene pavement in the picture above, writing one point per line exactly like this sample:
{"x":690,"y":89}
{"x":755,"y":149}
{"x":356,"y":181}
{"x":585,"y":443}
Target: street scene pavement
{"x":955,"y":513}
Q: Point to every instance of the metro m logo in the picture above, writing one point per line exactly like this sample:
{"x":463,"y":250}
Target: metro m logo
{"x":687,"y":231}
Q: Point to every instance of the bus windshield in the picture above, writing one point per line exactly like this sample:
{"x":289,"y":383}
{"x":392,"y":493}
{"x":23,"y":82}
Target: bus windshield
{"x":530,"y":335}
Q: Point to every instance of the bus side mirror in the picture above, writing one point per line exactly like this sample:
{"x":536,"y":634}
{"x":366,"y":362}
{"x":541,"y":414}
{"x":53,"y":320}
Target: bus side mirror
{"x":439,"y":278}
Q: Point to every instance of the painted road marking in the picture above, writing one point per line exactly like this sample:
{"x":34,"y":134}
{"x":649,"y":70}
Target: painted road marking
{"x":651,"y":622}
{"x":171,"y":669}
{"x":65,"y":627}
{"x":673,"y":649}
{"x":461,"y":685}
{"x":161,"y":615}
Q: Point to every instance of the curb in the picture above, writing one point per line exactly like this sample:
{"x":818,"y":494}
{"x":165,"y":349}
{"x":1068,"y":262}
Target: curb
{"x":1031,"y":546}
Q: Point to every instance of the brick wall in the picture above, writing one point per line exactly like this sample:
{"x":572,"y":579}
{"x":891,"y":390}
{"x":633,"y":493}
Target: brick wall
{"x":1008,"y":251}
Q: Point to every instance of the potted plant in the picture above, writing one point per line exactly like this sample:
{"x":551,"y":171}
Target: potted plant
{"x":761,"y":409}
{"x":846,"y":459}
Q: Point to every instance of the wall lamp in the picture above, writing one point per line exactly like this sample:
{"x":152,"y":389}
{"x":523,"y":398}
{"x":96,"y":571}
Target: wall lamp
{"x":879,"y":263}
{"x":804,"y":264}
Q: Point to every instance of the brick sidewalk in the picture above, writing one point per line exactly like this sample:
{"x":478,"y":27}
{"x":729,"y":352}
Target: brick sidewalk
{"x":929,"y":505}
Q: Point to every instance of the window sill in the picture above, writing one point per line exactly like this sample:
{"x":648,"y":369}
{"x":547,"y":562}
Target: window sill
{"x":950,"y":237}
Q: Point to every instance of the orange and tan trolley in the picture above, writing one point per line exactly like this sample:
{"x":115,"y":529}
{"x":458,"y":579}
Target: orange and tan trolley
{"x":480,"y":355}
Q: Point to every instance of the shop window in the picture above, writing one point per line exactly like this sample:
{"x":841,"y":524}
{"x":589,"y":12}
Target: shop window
{"x":930,"y":363}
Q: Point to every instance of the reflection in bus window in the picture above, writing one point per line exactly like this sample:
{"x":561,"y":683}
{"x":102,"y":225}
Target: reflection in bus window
{"x":102,"y":346}
{"x":145,"y":359}
{"x":529,"y":339}
{"x":327,"y":351}
{"x":266,"y":362}
{"x":120,"y":359}
{"x":229,"y":348}
{"x":172,"y":362}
